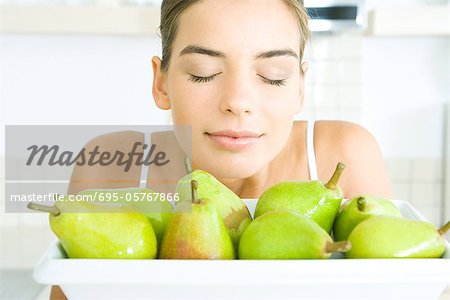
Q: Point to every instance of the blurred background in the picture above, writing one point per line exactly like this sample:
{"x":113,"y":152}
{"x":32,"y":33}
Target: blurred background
{"x":383,"y":64}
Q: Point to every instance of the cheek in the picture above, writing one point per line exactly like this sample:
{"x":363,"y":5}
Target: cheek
{"x":279,"y":130}
{"x":187,"y":103}
{"x":280,"y":118}
{"x":282,"y":108}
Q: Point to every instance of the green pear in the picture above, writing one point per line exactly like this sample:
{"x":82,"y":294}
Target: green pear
{"x":151,"y":204}
{"x":100,"y":230}
{"x":313,"y":199}
{"x":285,"y":234}
{"x":395,"y":237}
{"x":232,"y":209}
{"x":196,"y":231}
{"x":358,"y":209}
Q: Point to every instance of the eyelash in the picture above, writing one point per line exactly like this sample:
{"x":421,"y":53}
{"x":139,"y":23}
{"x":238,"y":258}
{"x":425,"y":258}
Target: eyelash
{"x":278,"y":82}
{"x":199,"y":79}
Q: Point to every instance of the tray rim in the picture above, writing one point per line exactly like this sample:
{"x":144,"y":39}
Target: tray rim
{"x":418,"y":270}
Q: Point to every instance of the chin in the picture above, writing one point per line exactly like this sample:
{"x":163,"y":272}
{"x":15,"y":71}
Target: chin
{"x":229,"y":166}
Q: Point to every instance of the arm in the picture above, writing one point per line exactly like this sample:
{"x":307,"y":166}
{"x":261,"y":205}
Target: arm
{"x":110,"y":176}
{"x":57,"y":294}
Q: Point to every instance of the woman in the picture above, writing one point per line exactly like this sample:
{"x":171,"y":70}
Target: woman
{"x":234,"y":68}
{"x":233,"y":71}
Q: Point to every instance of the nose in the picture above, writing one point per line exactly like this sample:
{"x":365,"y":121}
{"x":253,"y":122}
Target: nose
{"x":237,"y":97}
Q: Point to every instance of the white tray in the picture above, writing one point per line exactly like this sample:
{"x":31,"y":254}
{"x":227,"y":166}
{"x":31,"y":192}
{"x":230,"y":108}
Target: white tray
{"x":247,"y":279}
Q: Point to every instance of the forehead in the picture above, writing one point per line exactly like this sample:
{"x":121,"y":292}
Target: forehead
{"x":241,"y":27}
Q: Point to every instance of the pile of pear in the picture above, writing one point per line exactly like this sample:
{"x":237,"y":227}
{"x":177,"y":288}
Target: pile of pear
{"x":198,"y":227}
{"x":307,"y":220}
{"x":292,"y":220}
{"x":376,"y":229}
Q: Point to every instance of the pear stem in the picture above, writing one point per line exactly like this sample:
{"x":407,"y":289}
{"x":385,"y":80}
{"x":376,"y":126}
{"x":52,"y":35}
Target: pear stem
{"x":187,"y":165}
{"x":361,"y":203}
{"x":443,"y":230}
{"x":332,"y":183}
{"x":39,"y":207}
{"x":194,"y":186}
{"x":342,"y":246}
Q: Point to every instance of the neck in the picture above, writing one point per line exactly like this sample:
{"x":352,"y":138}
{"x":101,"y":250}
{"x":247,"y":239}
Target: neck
{"x":250,"y":187}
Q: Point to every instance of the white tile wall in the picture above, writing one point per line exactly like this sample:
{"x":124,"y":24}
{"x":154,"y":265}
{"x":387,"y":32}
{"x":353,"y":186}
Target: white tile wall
{"x":418,"y":181}
{"x":22,"y":246}
{"x":401,"y":190}
{"x":333,"y":82}
{"x":422,"y":192}
{"x":400,"y":169}
{"x":426,"y":170}
{"x":350,"y":95}
{"x":349,"y":71}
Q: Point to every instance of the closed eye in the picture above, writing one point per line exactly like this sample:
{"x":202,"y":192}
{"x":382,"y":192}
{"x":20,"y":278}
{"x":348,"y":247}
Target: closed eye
{"x":200,"y":79}
{"x":196,"y":79}
{"x":277,"y":82}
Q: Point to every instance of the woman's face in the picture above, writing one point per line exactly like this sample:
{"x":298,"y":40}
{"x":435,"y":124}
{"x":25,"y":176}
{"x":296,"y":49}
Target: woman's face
{"x":234,"y":66}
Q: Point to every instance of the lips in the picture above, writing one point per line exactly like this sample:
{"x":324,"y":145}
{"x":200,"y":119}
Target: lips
{"x":234,"y":140}
{"x":235,"y":134}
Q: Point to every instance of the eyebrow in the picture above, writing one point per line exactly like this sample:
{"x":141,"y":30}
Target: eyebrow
{"x":276,"y":53}
{"x":194,"y":49}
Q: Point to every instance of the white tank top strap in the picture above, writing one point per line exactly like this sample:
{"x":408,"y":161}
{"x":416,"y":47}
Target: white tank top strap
{"x":310,"y":151}
{"x":144,"y":167}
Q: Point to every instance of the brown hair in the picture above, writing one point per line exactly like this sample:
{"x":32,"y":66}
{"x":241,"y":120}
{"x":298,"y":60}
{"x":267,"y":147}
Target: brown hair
{"x":171,"y":11}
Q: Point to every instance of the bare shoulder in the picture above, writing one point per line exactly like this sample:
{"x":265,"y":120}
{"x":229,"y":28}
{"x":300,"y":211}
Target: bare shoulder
{"x":85,"y":176}
{"x":357,"y":148}
{"x":342,"y":133}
